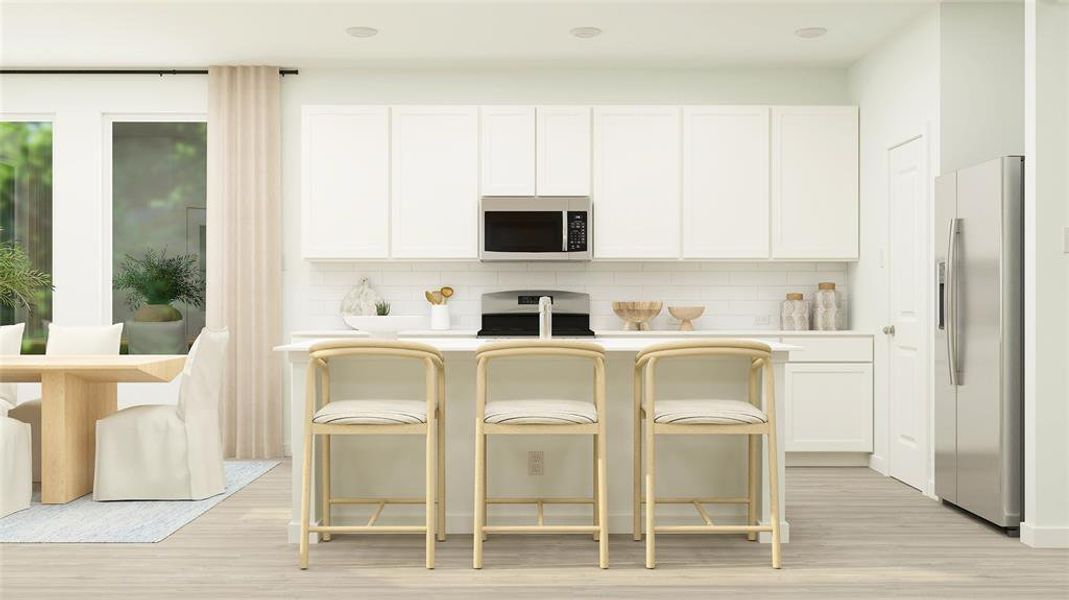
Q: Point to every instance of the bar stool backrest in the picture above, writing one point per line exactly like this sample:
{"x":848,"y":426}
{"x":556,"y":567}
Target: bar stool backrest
{"x":759,"y":353}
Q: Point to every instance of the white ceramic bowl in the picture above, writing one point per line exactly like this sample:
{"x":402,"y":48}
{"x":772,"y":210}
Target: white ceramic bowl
{"x":386,"y":326}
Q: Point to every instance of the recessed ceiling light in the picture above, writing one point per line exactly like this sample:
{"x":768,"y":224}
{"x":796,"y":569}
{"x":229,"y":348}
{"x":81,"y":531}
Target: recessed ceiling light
{"x":809,"y":33}
{"x":362,"y":32}
{"x":586,"y":32}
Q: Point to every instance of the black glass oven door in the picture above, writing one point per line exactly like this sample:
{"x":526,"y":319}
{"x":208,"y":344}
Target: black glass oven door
{"x":523,"y":231}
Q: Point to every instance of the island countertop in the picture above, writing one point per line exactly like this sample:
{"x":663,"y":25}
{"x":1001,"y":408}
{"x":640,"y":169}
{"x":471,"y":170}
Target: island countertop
{"x":471,"y":344}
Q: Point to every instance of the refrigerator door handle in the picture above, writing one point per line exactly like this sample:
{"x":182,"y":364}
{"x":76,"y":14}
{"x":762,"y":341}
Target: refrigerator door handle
{"x":952,"y":301}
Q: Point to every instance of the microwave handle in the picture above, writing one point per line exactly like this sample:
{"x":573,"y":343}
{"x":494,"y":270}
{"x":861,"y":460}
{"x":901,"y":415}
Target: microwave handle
{"x":563,"y":231}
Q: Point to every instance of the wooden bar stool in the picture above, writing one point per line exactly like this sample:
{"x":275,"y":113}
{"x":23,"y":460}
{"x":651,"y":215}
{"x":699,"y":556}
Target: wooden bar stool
{"x":374,"y":417}
{"x":711,"y":417}
{"x":554,"y":417}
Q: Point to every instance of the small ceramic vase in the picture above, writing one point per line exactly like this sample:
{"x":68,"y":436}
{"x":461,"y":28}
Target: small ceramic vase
{"x":794,"y":313}
{"x":827,"y":308}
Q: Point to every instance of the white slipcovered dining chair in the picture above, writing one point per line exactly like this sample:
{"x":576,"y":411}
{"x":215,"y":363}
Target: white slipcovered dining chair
{"x":104,"y":339}
{"x":16,"y":481}
{"x":166,"y":451}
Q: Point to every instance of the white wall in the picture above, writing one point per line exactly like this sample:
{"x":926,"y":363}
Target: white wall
{"x":78,"y":106}
{"x":982,"y":88}
{"x":897,"y":89}
{"x":1046,"y":276}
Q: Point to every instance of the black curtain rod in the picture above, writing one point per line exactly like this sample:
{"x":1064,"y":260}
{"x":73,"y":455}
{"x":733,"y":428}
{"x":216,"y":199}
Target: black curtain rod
{"x":160,"y":72}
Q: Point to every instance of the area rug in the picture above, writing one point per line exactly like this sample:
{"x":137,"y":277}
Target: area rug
{"x":135,"y":522}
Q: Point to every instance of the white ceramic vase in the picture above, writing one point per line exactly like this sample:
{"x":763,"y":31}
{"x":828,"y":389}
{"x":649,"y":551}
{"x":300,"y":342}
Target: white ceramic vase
{"x":828,"y":308}
{"x":794,"y":313}
{"x":439,"y":317}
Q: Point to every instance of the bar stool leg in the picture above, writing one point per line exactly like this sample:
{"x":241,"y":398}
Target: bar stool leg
{"x":480,"y":496}
{"x":324,"y":454}
{"x":441,"y":455}
{"x":651,"y":497}
{"x":596,"y":485}
{"x":768,"y":391}
{"x":306,"y":497}
{"x":636,"y":460}
{"x":753,"y":459}
{"x":431,"y":488}
{"x":602,"y":508}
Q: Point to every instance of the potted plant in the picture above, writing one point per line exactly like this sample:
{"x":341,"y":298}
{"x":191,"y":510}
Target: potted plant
{"x":153,"y":282}
{"x":19,"y":281}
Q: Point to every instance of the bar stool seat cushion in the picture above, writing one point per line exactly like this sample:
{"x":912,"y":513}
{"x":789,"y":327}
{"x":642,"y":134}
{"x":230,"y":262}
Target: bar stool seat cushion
{"x":541,"y":412}
{"x":708,"y":412}
{"x":372,"y":412}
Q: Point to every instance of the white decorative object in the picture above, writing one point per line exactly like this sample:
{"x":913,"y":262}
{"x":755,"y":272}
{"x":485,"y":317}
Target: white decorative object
{"x":385,"y":326}
{"x":794,"y":313}
{"x":827,"y":308}
{"x":360,"y":300}
{"x":439,"y":316}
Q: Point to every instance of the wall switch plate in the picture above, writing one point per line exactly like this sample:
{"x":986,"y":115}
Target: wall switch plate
{"x":536,"y":463}
{"x":762,"y":320}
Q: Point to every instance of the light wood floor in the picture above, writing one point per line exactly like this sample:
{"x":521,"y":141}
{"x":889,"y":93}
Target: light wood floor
{"x":853,"y":534}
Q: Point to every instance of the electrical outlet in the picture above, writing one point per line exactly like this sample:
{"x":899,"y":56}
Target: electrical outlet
{"x":762,"y":320}
{"x":536,"y":463}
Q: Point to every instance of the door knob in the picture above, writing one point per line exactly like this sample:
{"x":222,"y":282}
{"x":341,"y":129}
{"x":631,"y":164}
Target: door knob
{"x":889,"y":330}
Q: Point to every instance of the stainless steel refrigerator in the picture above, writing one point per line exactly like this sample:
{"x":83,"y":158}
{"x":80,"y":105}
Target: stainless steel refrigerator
{"x":979,"y":355}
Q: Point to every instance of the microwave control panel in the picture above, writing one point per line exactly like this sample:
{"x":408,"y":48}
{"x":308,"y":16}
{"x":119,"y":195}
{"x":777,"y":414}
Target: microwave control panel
{"x":577,"y":238}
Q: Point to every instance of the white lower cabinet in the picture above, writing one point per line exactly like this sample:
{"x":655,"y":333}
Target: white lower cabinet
{"x":828,"y":406}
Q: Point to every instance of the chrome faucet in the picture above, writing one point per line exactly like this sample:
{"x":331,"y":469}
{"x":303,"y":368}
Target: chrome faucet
{"x":545,"y":317}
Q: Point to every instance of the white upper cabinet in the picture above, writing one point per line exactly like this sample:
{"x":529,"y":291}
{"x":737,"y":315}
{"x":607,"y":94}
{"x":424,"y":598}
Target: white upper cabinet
{"x":345,"y":173}
{"x":725,"y":182}
{"x":563,"y":151}
{"x":508,"y":150}
{"x":435,"y":177}
{"x":815,"y":182}
{"x":636,"y":182}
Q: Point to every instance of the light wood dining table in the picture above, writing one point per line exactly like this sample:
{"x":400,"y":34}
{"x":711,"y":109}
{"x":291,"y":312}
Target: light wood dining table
{"x":76,"y":391}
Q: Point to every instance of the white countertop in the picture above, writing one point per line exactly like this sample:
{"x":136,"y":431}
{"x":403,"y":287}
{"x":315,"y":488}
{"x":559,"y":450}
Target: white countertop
{"x":471,"y":343}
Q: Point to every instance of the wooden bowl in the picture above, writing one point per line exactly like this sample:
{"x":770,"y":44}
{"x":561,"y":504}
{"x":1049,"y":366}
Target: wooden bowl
{"x":637,"y":314}
{"x":686,"y":315}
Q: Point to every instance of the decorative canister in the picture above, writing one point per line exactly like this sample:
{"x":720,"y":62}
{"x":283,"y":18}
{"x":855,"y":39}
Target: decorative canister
{"x":794,"y":313}
{"x":439,"y":317}
{"x":828,"y":308}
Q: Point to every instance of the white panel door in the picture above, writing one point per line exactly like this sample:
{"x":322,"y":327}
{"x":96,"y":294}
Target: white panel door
{"x":908,"y":287}
{"x":507,"y":150}
{"x":725,"y":182}
{"x":829,"y":407}
{"x":345,"y":153}
{"x":563,"y":151}
{"x":814,"y":182}
{"x":435,"y":181}
{"x":637,"y":182}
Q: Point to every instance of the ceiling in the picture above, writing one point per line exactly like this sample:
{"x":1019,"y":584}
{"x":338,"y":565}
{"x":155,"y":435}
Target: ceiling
{"x":295,"y":33}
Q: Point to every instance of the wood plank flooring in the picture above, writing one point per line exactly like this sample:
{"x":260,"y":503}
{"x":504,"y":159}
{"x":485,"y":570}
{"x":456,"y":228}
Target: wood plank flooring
{"x":854,"y":534}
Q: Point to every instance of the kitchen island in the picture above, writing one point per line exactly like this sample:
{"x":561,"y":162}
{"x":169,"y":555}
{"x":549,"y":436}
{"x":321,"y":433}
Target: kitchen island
{"x":564,"y":467}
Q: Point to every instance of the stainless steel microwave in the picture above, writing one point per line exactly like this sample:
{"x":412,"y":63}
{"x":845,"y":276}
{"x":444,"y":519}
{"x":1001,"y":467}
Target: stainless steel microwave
{"x":535,"y":228}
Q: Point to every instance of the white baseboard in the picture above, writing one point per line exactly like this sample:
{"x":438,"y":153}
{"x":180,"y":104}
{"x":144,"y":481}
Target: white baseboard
{"x":827,"y":459}
{"x":878,"y":464}
{"x":1044,"y":537}
{"x":464,"y":524}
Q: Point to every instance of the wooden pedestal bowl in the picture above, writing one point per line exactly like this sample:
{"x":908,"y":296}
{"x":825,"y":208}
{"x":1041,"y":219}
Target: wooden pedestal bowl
{"x":686,"y":315}
{"x":637,"y":314}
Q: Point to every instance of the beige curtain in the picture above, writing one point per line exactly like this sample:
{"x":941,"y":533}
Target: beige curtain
{"x":244,"y":260}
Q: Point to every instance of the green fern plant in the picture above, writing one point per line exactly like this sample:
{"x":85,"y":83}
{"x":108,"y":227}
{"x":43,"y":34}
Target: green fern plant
{"x":19,"y":281}
{"x":160,"y":279}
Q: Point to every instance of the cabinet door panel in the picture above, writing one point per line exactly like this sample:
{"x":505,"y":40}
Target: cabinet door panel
{"x":435,"y":179}
{"x":563,"y":151}
{"x":636,"y":182}
{"x":344,"y":182}
{"x":815,"y":182}
{"x":725,"y":182}
{"x":829,"y":407}
{"x":507,"y":150}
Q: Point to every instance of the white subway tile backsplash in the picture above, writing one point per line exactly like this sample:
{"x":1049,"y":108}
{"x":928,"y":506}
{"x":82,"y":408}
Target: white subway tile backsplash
{"x":737,"y":295}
